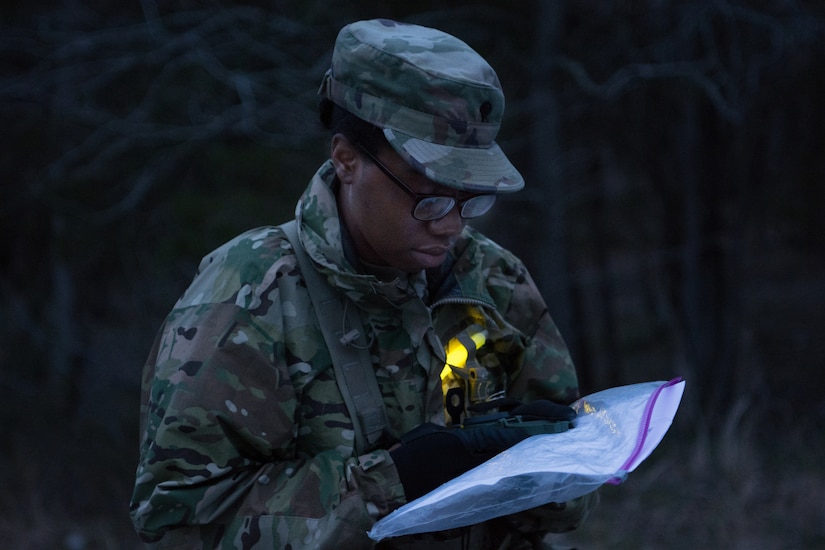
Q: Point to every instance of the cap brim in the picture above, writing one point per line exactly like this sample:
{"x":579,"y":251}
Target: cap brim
{"x":476,"y":170}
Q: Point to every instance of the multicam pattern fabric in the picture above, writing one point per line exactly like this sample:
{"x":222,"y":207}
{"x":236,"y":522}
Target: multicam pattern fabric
{"x":246,"y":441}
{"x":439,"y":102}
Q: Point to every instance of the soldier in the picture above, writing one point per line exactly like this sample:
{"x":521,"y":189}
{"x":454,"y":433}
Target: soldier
{"x":253,"y":433}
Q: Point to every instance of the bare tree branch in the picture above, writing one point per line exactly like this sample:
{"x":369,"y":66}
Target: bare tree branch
{"x":116,"y":91}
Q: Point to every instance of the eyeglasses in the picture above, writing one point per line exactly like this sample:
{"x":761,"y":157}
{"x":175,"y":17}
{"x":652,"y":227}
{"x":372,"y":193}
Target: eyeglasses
{"x":430,"y":207}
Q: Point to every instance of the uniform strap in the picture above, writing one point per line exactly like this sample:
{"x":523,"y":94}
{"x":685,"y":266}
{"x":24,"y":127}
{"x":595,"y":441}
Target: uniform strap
{"x":352,"y":363}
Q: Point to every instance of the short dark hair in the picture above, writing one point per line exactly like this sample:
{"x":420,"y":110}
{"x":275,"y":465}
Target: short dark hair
{"x":338,"y":120}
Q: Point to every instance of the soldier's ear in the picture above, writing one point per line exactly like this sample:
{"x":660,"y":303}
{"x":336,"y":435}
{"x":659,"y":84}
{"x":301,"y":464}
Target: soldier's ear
{"x":344,"y":157}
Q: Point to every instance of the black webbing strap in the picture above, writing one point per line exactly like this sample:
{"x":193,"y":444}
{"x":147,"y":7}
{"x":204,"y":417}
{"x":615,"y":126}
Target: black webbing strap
{"x":352,"y":364}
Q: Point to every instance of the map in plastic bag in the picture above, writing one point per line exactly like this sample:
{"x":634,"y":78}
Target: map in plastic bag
{"x":615,"y":430}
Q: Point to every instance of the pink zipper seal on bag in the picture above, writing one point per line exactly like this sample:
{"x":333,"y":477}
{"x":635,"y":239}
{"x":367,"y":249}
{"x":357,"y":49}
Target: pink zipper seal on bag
{"x":643,"y":430}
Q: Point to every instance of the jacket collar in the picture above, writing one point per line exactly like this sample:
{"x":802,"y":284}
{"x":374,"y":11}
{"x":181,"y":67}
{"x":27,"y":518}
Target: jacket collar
{"x":326,"y":243}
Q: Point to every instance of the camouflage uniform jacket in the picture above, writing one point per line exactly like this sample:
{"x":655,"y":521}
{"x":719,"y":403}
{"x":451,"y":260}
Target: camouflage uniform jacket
{"x":246,"y":441}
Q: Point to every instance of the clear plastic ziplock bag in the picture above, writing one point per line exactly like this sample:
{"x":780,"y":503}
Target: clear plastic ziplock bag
{"x":615,"y":430}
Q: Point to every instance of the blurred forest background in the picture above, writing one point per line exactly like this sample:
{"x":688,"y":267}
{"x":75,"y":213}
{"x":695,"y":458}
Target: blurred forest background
{"x":673,"y":217}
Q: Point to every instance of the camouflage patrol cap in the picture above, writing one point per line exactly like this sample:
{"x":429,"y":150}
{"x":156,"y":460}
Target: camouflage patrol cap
{"x":438,"y":102}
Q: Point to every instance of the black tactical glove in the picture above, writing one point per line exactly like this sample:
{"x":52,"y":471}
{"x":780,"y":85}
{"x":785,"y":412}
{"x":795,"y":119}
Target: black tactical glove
{"x":431,"y":455}
{"x":543,"y":410}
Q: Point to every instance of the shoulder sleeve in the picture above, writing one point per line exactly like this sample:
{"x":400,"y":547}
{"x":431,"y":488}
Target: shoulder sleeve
{"x":218,"y":460}
{"x":545,"y":369}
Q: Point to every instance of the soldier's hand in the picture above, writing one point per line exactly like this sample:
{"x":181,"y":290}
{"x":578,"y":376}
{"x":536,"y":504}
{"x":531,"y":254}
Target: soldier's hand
{"x":543,"y":409}
{"x":431,"y":455}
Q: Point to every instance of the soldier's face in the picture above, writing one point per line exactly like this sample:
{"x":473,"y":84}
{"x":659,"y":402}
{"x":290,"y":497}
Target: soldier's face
{"x":378,"y":213}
